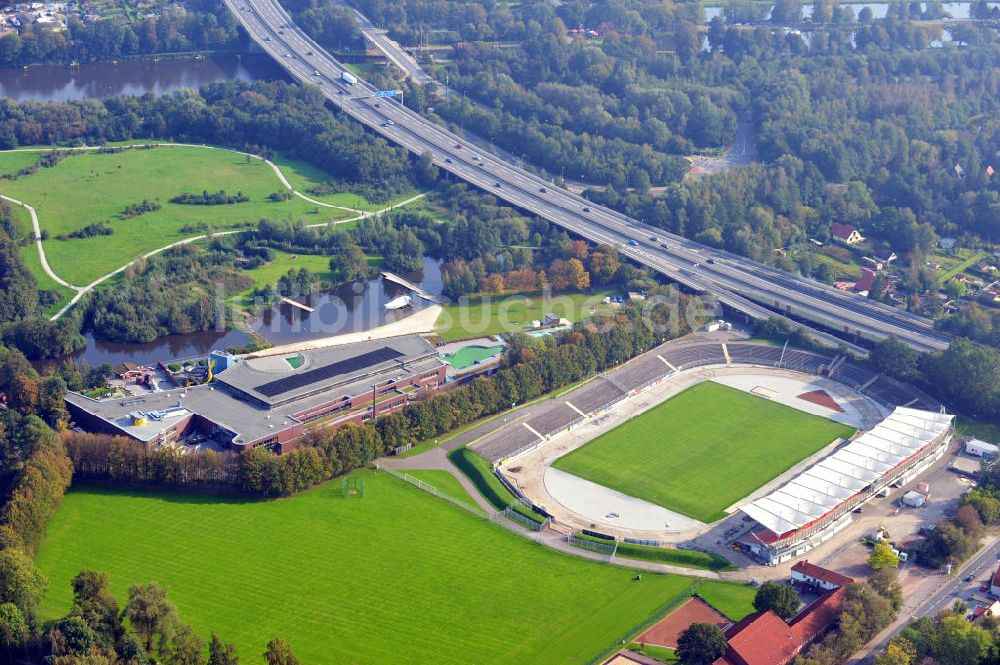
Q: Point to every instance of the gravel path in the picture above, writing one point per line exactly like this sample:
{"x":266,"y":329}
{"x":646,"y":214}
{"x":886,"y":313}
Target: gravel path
{"x":83,"y":290}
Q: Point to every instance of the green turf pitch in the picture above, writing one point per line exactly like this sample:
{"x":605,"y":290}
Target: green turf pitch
{"x":702,"y":450}
{"x":398,"y":576}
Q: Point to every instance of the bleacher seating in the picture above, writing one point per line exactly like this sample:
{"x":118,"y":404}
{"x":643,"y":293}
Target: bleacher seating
{"x":754,"y":354}
{"x":686,"y":356}
{"x":596,"y":395}
{"x":805,"y":361}
{"x":506,"y":441}
{"x":852,"y":375}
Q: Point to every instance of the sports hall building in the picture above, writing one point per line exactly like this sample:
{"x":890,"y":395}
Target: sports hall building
{"x":274,"y":399}
{"x":816,"y":504}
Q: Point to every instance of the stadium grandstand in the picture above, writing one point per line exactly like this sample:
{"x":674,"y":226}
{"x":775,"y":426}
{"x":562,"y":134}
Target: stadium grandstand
{"x":675,"y":356}
{"x":813,"y":506}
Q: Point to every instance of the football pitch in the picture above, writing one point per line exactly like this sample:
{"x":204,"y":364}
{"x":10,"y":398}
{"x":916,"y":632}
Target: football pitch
{"x":702,"y":450}
{"x":395,"y":577}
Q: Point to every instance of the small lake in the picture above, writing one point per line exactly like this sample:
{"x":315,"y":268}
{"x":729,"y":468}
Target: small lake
{"x":99,"y":351}
{"x":99,"y":80}
{"x":346,"y":308}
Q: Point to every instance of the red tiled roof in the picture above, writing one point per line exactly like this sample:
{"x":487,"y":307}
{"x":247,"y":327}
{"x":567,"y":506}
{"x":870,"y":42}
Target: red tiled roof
{"x":866,"y":281}
{"x":996,"y":577}
{"x":842,"y":230}
{"x":820,"y":573}
{"x":765,"y":639}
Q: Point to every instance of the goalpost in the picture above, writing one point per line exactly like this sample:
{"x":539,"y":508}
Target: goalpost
{"x":352,"y":486}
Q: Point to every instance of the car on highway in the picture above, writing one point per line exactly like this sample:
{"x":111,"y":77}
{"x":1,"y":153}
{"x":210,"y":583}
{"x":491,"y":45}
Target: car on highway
{"x":388,"y":123}
{"x":498,"y":185}
{"x":586,"y":208}
{"x":476,"y":158}
{"x":377,"y":105}
{"x":315,"y":72}
{"x":969,"y":578}
{"x":543,"y":190}
{"x":653,"y":238}
{"x":984,"y":588}
{"x":447,"y":160}
{"x":309,"y":52}
{"x":458,"y":145}
{"x":267,"y":38}
{"x":711,"y":261}
{"x":633,"y":243}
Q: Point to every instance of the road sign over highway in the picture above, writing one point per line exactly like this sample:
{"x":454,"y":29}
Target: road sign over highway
{"x":388,"y":93}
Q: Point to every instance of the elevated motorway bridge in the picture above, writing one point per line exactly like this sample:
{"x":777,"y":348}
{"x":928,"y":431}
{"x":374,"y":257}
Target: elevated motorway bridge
{"x":746,"y":286}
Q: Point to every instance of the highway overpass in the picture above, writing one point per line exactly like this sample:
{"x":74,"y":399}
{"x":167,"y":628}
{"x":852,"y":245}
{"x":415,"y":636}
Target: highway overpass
{"x":739,"y":283}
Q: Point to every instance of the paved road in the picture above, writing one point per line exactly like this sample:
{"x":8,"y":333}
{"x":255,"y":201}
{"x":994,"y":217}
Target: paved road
{"x":737,"y":282}
{"x":948,"y":590}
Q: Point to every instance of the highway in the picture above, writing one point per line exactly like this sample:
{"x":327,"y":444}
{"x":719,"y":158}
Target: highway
{"x":737,"y":282}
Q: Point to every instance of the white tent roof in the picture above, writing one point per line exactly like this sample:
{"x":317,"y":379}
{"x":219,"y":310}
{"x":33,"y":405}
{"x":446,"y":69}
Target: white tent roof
{"x":828,"y":483}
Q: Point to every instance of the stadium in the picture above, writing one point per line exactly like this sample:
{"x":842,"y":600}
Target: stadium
{"x":715,"y":443}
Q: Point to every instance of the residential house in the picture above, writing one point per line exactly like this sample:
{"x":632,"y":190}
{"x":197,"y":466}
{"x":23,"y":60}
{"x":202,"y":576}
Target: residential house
{"x":845,"y":233}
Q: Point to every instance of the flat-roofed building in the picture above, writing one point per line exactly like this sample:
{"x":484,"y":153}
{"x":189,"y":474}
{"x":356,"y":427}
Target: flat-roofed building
{"x":274,"y":399}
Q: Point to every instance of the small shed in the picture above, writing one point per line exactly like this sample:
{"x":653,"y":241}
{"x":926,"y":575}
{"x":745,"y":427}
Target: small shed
{"x":914,"y":499}
{"x":980,"y":448}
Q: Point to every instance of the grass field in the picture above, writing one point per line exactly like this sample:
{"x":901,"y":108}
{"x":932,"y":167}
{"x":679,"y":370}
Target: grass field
{"x":304,"y":176}
{"x":445,"y":483}
{"x":396,"y":577}
{"x":735,"y":601}
{"x":90,"y":187}
{"x":492,"y":315}
{"x":702,"y":450}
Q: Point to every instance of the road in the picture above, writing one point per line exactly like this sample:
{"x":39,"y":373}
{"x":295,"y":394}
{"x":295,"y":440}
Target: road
{"x":737,"y":282}
{"x":980,"y":566}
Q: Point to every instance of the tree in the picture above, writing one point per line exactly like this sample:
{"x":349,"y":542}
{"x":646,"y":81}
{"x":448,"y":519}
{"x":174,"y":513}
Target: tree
{"x":425,"y":172}
{"x":20,"y":582}
{"x":185,"y":646}
{"x":93,"y":602}
{"x":280,"y":653}
{"x":895,"y":358}
{"x":701,"y":643}
{"x":350,"y":263}
{"x":883,"y":557}
{"x":220,"y":653}
{"x":74,"y":636}
{"x":900,"y":651}
{"x":149,"y":611}
{"x":778,"y":597}
{"x":13,"y":626}
{"x":958,"y":642}
{"x":885,"y":581}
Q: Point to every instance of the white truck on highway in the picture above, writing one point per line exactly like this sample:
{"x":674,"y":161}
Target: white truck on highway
{"x":348,"y":78}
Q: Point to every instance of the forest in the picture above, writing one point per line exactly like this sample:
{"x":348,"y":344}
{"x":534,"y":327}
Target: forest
{"x":194,"y":25}
{"x":865,"y":123}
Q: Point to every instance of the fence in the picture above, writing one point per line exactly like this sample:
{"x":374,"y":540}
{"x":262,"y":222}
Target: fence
{"x":430,"y":489}
{"x":608,"y":549}
{"x":399,"y":450}
{"x":527,"y":523}
{"x":639,"y":541}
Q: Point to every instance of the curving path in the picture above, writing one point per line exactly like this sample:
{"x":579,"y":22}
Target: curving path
{"x":83,"y":290}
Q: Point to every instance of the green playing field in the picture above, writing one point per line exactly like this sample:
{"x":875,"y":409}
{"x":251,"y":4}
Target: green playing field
{"x":395,"y":577}
{"x":702,"y":450}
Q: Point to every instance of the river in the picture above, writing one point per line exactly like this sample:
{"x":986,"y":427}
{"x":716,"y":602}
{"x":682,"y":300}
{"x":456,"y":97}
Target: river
{"x":957,"y":10}
{"x":99,"y":80}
